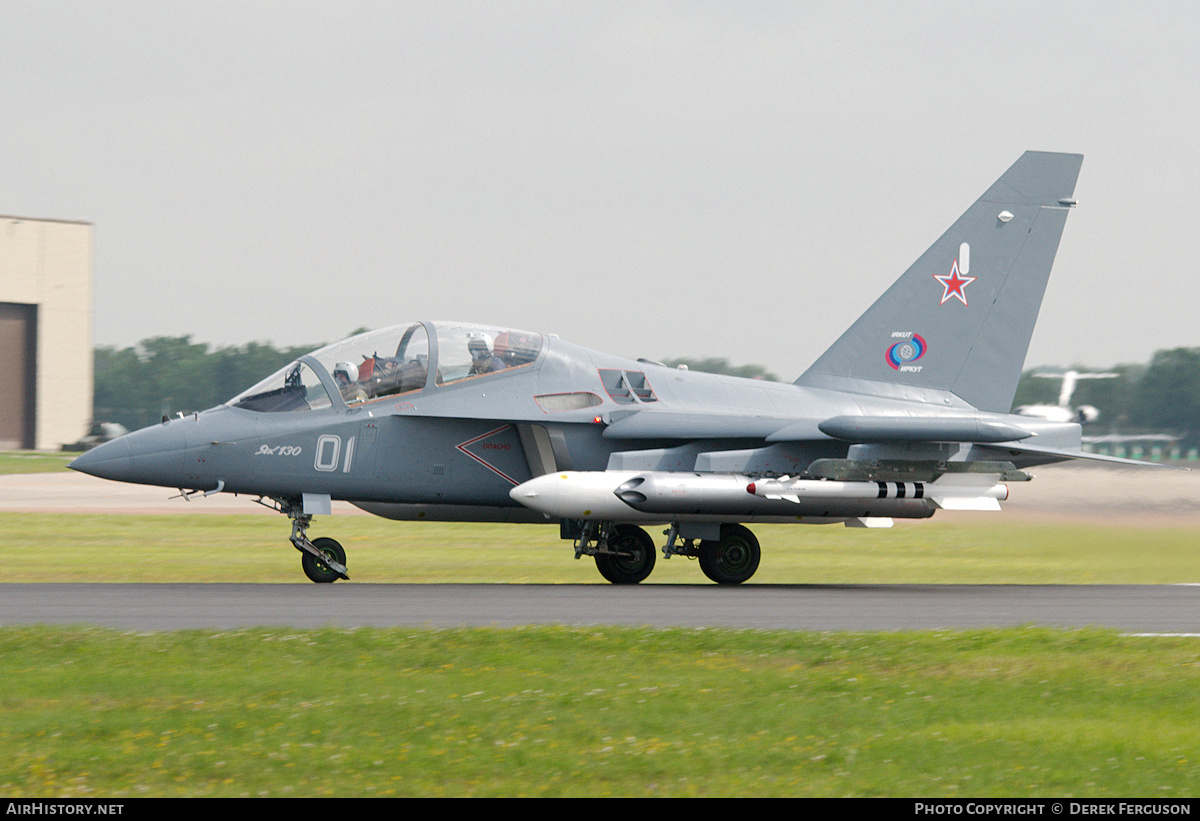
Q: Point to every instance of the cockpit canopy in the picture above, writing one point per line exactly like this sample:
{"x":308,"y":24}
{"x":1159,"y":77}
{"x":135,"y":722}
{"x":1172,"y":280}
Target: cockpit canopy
{"x":389,"y":362}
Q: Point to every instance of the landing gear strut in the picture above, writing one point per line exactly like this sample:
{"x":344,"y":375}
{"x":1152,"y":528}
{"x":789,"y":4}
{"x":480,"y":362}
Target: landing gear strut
{"x":624,"y":554}
{"x":323,"y":560}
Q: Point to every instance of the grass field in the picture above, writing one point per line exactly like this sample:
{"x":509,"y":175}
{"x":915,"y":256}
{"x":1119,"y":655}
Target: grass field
{"x":597,"y":712}
{"x":32,"y":461}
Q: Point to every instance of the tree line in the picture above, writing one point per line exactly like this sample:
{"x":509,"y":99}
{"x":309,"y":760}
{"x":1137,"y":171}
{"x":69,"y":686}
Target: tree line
{"x":164,"y":375}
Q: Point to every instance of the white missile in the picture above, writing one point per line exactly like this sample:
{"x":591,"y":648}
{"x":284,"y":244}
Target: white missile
{"x":659,"y":496}
{"x":951,"y":491}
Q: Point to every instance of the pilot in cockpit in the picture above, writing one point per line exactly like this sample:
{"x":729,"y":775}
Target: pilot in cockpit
{"x":482,"y":360}
{"x":345,"y":374}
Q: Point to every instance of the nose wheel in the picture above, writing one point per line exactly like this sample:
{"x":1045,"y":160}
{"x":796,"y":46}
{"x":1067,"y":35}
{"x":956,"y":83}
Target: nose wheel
{"x":320,"y":570}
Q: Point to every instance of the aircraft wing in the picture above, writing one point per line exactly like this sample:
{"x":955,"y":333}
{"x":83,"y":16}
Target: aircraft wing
{"x":684,"y":425}
{"x":883,"y":447}
{"x":847,"y":428}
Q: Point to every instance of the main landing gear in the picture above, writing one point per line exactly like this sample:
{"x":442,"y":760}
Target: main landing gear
{"x":733,"y":558}
{"x":624,"y":553}
{"x":629,"y":555}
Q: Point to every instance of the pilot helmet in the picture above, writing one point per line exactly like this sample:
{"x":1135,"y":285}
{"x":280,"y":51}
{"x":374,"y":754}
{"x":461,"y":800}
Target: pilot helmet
{"x":478,"y":346}
{"x":345,"y":372}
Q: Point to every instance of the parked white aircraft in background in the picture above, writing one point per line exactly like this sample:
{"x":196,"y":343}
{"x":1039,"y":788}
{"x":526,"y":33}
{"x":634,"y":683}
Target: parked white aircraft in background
{"x":1063,"y":412}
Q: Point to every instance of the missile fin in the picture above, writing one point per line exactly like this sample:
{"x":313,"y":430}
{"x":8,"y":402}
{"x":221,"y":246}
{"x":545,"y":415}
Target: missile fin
{"x":870,"y":521}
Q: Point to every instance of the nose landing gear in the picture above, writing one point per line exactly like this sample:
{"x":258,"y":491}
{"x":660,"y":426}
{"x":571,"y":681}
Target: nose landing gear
{"x":323,"y":560}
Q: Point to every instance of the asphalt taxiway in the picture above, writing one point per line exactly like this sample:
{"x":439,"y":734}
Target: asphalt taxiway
{"x":1129,"y":608}
{"x":1077,"y":492}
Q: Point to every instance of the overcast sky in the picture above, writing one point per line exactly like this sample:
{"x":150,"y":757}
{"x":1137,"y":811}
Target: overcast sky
{"x":650,"y":179}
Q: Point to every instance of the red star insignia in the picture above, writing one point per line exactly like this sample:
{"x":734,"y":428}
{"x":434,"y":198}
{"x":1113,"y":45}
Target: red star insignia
{"x":954,"y":283}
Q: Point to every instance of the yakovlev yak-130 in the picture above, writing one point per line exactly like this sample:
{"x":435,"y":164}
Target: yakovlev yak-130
{"x":907,"y":413}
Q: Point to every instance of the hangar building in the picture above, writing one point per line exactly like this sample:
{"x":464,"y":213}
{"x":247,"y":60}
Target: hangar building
{"x":45,"y":332}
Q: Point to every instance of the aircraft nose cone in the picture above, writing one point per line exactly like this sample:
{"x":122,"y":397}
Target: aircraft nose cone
{"x":151,"y":456}
{"x":108,"y":461}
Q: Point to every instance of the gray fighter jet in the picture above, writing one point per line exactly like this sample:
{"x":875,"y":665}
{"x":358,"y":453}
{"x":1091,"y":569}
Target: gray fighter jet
{"x":907,"y":413}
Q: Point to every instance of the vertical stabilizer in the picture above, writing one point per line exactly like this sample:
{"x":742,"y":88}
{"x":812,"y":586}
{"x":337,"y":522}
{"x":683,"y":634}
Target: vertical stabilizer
{"x":961,"y":317}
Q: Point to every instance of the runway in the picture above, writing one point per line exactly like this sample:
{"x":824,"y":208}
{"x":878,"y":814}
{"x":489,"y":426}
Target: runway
{"x":1076,"y":492}
{"x":1129,"y":608}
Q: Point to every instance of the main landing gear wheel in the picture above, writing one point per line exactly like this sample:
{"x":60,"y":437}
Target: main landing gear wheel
{"x":315,"y":569}
{"x":633,"y":559}
{"x":733,"y":559}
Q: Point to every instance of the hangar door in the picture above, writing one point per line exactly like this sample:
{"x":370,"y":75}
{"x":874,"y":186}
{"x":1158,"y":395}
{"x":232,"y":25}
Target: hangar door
{"x":18,"y":371}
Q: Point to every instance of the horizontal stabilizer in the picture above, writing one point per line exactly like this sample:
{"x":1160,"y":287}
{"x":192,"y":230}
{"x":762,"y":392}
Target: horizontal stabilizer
{"x":1060,"y":454}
